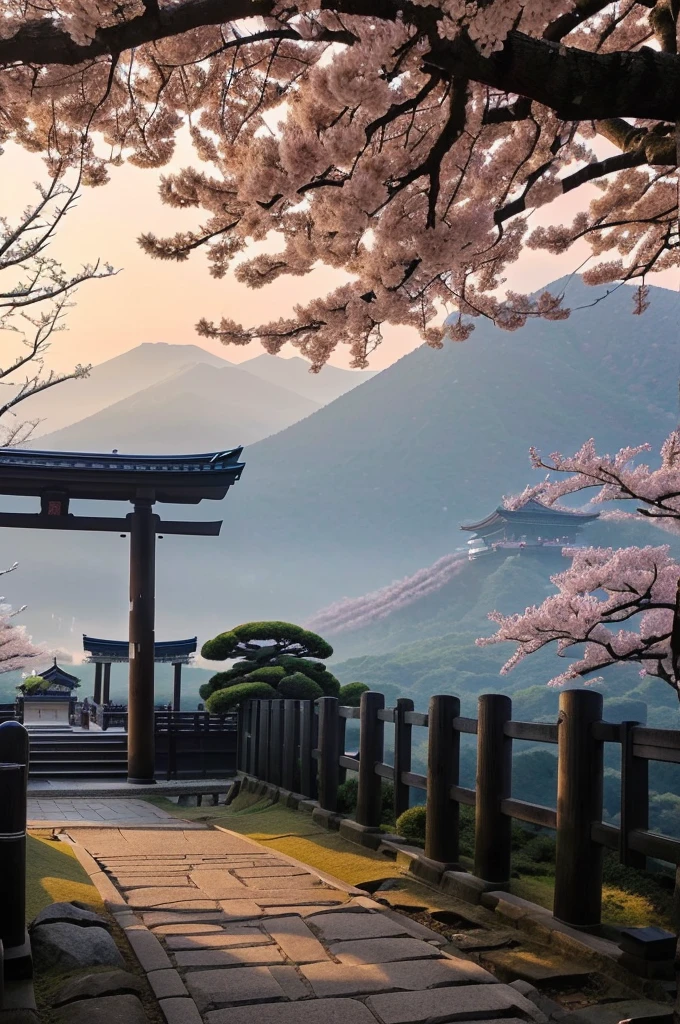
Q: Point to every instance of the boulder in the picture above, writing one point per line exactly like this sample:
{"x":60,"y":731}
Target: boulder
{"x":93,"y":986}
{"x":69,"y":946}
{"x":70,"y":913}
{"x":107,"y":1010}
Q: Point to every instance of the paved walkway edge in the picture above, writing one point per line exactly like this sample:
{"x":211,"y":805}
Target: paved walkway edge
{"x":514,"y":912}
{"x":178,"y":1007}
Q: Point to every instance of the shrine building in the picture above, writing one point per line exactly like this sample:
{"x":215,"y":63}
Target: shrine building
{"x":532,"y":526}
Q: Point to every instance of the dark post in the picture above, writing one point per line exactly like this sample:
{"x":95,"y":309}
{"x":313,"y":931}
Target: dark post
{"x":634,"y":796}
{"x":494,"y":768}
{"x":254,"y":736}
{"x":97,"y":696}
{"x":402,"y":754}
{"x":106,"y":696}
{"x":141,"y":752}
{"x":308,"y":769}
{"x":290,"y":717}
{"x":263,"y":741}
{"x":371,"y":745}
{"x":14,"y":755}
{"x":443,"y":760}
{"x":13,"y":854}
{"x":342,"y":726}
{"x":275,"y":742}
{"x":177,"y":687}
{"x":328,"y":753}
{"x":580,"y":771}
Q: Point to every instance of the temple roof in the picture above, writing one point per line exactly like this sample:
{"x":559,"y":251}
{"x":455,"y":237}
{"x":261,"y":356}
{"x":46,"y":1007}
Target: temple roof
{"x":56,"y":675}
{"x":533,"y":513}
{"x":118,"y":650}
{"x":183,"y":479}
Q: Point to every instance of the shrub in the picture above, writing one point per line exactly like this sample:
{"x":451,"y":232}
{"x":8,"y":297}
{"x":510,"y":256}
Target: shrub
{"x":411,"y":824}
{"x":299,"y":687}
{"x":226,"y":700}
{"x":347,"y":795}
{"x":350,"y":694}
{"x":272,"y":674}
{"x":276,"y":635}
{"x":205,"y":690}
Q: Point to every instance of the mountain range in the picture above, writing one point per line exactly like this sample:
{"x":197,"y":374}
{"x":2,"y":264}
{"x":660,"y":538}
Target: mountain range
{"x":374,"y":485}
{"x":180,"y":398}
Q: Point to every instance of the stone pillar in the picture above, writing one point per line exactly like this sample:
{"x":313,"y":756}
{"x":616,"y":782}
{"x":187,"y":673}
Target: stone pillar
{"x":106,"y":697}
{"x":98,"y":683}
{"x":141,"y":745}
{"x":177,"y":687}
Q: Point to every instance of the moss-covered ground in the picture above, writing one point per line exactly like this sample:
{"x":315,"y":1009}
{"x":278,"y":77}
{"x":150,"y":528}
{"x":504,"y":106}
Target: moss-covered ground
{"x":53,"y":875}
{"x":630,"y":898}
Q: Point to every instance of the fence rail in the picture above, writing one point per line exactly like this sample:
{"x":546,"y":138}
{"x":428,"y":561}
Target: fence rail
{"x":300,"y":745}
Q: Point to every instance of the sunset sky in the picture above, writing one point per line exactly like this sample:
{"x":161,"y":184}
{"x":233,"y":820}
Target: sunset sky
{"x":150,"y":300}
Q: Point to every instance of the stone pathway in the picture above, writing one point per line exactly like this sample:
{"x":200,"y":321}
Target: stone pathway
{"x":232,"y":933}
{"x":44,"y":812}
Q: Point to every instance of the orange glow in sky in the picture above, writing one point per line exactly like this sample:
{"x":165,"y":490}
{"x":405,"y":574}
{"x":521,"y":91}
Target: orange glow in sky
{"x":150,"y":300}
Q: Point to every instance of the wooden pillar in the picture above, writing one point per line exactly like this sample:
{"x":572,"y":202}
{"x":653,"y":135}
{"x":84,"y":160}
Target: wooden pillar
{"x":290,"y":733}
{"x":97,"y":696}
{"x":263,"y":741}
{"x":634,"y":797}
{"x":342,"y":728}
{"x":371,"y":745}
{"x":141,"y":748}
{"x":443,"y":762}
{"x":254,"y":730}
{"x":308,"y":768}
{"x":106,"y":696}
{"x":328,"y":753}
{"x":177,"y":687}
{"x":276,"y":741}
{"x":14,"y":764}
{"x":494,"y":768}
{"x":580,"y":771}
{"x":402,"y":754}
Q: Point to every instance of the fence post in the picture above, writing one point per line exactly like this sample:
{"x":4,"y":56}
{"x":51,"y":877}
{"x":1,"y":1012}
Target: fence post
{"x":14,"y":752}
{"x":308,"y":770}
{"x":275,"y":741}
{"x":443,"y":763}
{"x":263,"y":741}
{"x":342,"y":727}
{"x":254,"y":736}
{"x":402,"y":754}
{"x":580,"y":773}
{"x":634,"y":796}
{"x":328,"y":753}
{"x":290,"y":719}
{"x":371,"y":745}
{"x":494,"y":768}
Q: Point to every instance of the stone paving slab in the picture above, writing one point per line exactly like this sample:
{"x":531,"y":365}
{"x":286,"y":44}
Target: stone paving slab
{"x":330,"y":1011}
{"x":451,"y":1004}
{"x":418,"y":975}
{"x":382,"y":951}
{"x":253,"y":938}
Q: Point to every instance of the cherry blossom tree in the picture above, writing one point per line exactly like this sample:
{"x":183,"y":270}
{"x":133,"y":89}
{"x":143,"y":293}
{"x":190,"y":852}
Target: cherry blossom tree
{"x":403,"y":143}
{"x":621,"y":605}
{"x":16,"y":648}
{"x":35,"y":295}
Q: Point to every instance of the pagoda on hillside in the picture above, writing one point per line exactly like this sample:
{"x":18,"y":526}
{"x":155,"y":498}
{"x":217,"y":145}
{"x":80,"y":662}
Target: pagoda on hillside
{"x":532,"y":526}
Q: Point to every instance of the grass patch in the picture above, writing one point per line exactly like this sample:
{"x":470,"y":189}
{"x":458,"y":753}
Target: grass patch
{"x":53,"y":875}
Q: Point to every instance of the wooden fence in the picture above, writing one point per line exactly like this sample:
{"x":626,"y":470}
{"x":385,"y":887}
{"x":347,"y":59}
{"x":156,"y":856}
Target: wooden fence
{"x":300,"y":746}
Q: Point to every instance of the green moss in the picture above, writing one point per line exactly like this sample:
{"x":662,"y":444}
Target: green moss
{"x":222,"y":701}
{"x":53,"y":875}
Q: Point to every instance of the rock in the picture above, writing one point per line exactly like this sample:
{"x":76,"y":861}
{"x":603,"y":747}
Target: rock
{"x":108,"y":1010}
{"x":93,"y":986}
{"x":69,"y":912}
{"x":68,"y":946}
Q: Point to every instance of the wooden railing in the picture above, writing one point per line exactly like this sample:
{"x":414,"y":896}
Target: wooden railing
{"x":300,"y":746}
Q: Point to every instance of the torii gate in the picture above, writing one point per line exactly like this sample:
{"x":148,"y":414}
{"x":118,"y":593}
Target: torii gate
{"x":58,"y":477}
{"x":102,"y":654}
